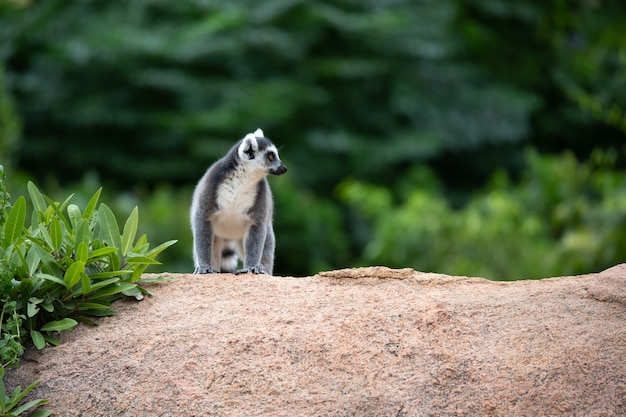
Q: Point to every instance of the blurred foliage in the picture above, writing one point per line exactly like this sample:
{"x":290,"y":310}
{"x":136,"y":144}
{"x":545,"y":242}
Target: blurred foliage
{"x":564,"y":217}
{"x":401,"y":95}
{"x":332,"y":81}
{"x":9,"y":125}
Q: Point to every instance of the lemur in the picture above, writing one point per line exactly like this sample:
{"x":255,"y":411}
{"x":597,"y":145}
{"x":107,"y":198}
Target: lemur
{"x":232,"y":207}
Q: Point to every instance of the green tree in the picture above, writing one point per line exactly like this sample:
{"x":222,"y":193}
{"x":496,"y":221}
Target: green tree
{"x":9,"y":123}
{"x":159,"y":90}
{"x":564,"y":217}
{"x":348,"y":87}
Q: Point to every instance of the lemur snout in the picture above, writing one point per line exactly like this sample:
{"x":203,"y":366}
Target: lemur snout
{"x":280,"y":170}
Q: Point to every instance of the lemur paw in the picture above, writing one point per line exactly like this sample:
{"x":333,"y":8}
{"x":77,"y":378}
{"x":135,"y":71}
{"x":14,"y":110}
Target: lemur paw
{"x":257,"y":269}
{"x":204,"y":269}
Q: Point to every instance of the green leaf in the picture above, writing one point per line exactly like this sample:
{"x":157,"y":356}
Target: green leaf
{"x":17,"y":396}
{"x":54,"y":206}
{"x":15,"y":222}
{"x":52,"y":340}
{"x":107,"y":274}
{"x":102,"y":284}
{"x":73,"y":211}
{"x":138,"y":272}
{"x":50,"y":265}
{"x":56,"y":234}
{"x":32,"y":310}
{"x":99,"y":253}
{"x":73,"y":274}
{"x":59,"y":325}
{"x":32,"y":404}
{"x":32,"y":307}
{"x":112,"y":290}
{"x":45,"y":235}
{"x":39,"y":203}
{"x":3,"y":392}
{"x":101,"y":313}
{"x":93,"y":306}
{"x":33,"y":260}
{"x":26,"y":286}
{"x":82,"y":252}
{"x":41,"y":413}
{"x":142,"y":260}
{"x":147,"y":291}
{"x":130,"y":231}
{"x":114,"y":261}
{"x":65,"y":204}
{"x":86,"y":284}
{"x":53,"y":279}
{"x":109,"y":229}
{"x":154,"y":252}
{"x":38,"y":339}
{"x":83,"y":234}
{"x":134,"y":292}
{"x":92,"y":204}
{"x":142,"y":244}
{"x":85,"y":320}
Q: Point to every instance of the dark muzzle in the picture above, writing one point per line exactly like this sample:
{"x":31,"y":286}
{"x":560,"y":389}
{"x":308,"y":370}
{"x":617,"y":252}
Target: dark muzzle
{"x":279,"y":170}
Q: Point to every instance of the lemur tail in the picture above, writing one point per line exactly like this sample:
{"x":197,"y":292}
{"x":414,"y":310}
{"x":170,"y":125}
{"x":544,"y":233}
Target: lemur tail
{"x":229,"y":257}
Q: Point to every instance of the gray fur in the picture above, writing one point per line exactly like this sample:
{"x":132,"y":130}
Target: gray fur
{"x":232,"y":207}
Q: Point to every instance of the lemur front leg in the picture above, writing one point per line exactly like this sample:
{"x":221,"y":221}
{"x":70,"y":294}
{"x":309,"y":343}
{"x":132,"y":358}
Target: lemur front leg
{"x":202,"y":245}
{"x":253,"y":243}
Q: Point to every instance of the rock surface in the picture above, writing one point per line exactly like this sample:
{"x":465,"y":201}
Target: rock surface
{"x":360,"y":342}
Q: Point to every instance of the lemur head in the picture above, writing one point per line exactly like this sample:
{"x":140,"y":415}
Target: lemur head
{"x":259,"y":153}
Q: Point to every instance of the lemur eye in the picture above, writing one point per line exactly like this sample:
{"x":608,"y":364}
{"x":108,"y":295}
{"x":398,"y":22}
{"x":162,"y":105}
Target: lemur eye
{"x":271,"y":156}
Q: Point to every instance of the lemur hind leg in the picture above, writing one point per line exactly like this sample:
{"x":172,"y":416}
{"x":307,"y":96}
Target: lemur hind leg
{"x":253,"y":244}
{"x":267,"y":258}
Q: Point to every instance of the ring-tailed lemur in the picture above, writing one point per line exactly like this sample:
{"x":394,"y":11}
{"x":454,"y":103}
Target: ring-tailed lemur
{"x":231,"y":210}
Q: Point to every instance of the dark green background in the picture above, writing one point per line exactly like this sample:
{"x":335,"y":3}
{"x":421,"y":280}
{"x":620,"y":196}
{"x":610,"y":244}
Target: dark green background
{"x":477,"y":137}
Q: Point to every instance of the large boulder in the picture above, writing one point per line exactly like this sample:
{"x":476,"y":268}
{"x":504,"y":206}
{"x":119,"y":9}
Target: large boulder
{"x":358,"y":342}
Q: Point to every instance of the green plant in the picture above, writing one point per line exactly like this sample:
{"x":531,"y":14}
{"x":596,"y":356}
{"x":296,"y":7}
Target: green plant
{"x":9,"y":404}
{"x":10,"y":346}
{"x":66,"y":266}
{"x":563,"y":217}
{"x":10,"y":319}
{"x":70,"y":264}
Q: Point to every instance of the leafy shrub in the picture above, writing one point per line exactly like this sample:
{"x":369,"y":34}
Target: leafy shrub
{"x":164,"y":212}
{"x":165,"y":215}
{"x":564,"y":217}
{"x":68,"y":264}
{"x":9,"y":404}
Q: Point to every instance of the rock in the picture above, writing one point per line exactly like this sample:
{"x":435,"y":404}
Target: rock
{"x":360,"y":342}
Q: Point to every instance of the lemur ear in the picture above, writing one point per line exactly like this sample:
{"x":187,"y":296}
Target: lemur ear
{"x":259,"y":133}
{"x":248,"y":147}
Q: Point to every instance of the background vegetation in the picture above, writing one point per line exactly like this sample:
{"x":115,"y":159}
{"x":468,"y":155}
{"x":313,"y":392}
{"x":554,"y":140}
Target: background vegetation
{"x":479,"y":137}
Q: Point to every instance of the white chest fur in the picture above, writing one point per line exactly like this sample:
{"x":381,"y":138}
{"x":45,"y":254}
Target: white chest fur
{"x":235,"y":196}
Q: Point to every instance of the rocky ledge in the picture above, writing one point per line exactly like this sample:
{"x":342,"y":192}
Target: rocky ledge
{"x":357,"y":342}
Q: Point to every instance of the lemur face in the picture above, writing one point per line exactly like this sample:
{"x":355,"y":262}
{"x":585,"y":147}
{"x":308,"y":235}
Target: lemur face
{"x":259,"y":153}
